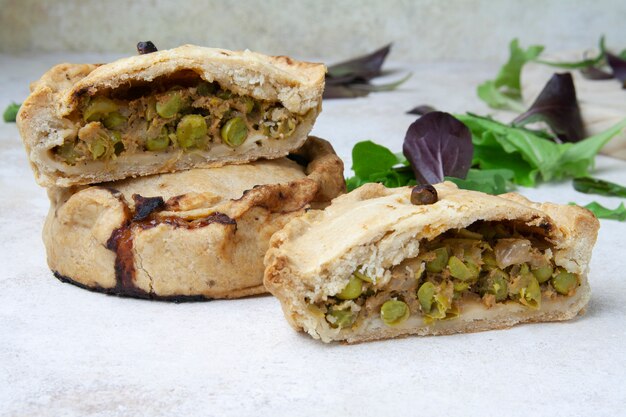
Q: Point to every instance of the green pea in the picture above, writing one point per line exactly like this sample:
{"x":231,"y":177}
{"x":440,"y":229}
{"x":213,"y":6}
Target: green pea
{"x":543,"y":273}
{"x":440,"y":261}
{"x":461,"y":271}
{"x":159,"y":143}
{"x":287,"y":127}
{"x":363,"y":277}
{"x":118,"y":145}
{"x":151,"y":112}
{"x":98,"y":107}
{"x":224,"y":94}
{"x":531,"y":295}
{"x":565,"y":282}
{"x":248,"y":104}
{"x":352,"y":290}
{"x":459,"y":287}
{"x":489,"y":259}
{"x":190,"y":130}
{"x":234,"y":132}
{"x":425,"y":295}
{"x":394,"y":312}
{"x":67,"y":152}
{"x":169,"y":104}
{"x":98,"y":147}
{"x":113,"y":120}
{"x":341,"y":318}
{"x":496,"y":283}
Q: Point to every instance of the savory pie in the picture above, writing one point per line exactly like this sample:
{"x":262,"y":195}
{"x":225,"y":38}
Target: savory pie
{"x":171,"y":110}
{"x":372,"y":265}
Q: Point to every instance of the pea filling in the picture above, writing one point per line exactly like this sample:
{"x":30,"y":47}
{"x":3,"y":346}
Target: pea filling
{"x":503,"y":262}
{"x":188,"y":117}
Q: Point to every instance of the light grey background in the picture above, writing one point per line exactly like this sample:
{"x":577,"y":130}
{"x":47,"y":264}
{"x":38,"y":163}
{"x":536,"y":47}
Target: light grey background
{"x":422,"y":30}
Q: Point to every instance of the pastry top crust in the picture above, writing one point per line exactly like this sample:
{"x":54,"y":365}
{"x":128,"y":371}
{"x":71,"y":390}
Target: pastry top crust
{"x":47,"y":116}
{"x":296,"y":84}
{"x":376,"y":228}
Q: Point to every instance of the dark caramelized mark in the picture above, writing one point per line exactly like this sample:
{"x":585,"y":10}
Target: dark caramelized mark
{"x":146,"y":47}
{"x":121,"y":242}
{"x":177,"y":222}
{"x":138,"y":294}
{"x":145,"y":206}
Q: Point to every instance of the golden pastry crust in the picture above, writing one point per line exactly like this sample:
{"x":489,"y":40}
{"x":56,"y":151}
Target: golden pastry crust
{"x":188,"y":235}
{"x":48,"y":116}
{"x":376,"y":228}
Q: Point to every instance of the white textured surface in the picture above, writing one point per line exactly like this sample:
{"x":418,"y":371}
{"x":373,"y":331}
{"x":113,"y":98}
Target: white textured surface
{"x":68,"y":352}
{"x":422,"y":30}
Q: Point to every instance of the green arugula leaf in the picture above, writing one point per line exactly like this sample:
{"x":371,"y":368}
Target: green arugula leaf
{"x":589,"y":185}
{"x":583,"y":63}
{"x":529,"y":154}
{"x":496,"y":99}
{"x":504,"y":92}
{"x":601,"y":212}
{"x":490,"y":181}
{"x":11,"y":112}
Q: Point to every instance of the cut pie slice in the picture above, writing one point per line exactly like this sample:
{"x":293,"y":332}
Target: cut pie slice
{"x":188,"y":107}
{"x":373,"y":265}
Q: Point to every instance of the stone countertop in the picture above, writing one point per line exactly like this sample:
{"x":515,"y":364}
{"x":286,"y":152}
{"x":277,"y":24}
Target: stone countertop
{"x":65,"y":351}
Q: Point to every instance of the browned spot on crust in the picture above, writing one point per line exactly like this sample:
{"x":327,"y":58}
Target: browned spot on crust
{"x":139,"y":294}
{"x":177,"y":222}
{"x":145,"y":206}
{"x":121,"y":240}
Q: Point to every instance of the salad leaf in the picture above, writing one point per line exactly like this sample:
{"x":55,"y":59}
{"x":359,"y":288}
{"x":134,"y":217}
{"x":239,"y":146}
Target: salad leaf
{"x":10,"y":113}
{"x":618,"y":65}
{"x":601,"y":212}
{"x":375,"y":163}
{"x":529,"y":154}
{"x":595,"y":73}
{"x":421,"y":110}
{"x":504,"y":92}
{"x":583,"y":63}
{"x":351,"y":78}
{"x":557,"y":105}
{"x":589,"y":185}
{"x":363,"y":68}
{"x":490,"y":181}
{"x":438,"y":145}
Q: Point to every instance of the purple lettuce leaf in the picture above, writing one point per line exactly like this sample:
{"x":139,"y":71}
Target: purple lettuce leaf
{"x":618,"y":65}
{"x":438,"y":145}
{"x":421,"y":110}
{"x":557,"y":106}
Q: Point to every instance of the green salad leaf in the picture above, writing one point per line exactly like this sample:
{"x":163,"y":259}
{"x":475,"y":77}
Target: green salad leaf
{"x":490,"y":181}
{"x":375,"y":163}
{"x":505,"y":92}
{"x":530,"y":154}
{"x":589,"y":185}
{"x":11,"y":112}
{"x":583,"y":63}
{"x":601,"y":212}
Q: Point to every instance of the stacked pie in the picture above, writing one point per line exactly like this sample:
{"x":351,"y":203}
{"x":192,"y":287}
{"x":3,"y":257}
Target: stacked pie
{"x":168,"y":172}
